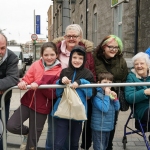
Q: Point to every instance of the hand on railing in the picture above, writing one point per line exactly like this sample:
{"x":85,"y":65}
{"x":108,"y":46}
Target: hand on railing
{"x":34,"y":86}
{"x":22,"y":85}
{"x":65,"y":80}
{"x":74,"y":85}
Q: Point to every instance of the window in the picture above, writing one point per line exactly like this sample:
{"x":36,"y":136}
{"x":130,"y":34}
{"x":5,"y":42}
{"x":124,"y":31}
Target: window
{"x":94,"y":26}
{"x":118,"y":20}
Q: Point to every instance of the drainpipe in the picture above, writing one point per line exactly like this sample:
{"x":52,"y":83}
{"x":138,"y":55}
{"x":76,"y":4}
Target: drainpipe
{"x":136,"y":28}
{"x":53,"y":18}
{"x":65,"y":15}
{"x":86,"y":19}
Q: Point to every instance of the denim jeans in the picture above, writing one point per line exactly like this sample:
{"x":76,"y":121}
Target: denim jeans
{"x":100,"y":139}
{"x":7,"y":105}
{"x":51,"y":135}
{"x":65,"y":127}
{"x":112,"y":133}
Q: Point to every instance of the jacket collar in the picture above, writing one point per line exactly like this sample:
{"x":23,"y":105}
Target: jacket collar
{"x":87,"y":44}
{"x":5,"y":56}
{"x":139,"y":77}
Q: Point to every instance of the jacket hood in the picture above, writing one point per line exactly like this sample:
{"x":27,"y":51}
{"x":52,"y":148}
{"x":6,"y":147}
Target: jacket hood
{"x":89,"y":46}
{"x":80,"y":49}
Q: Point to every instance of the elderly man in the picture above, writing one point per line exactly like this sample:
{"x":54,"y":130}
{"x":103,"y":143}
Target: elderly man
{"x":8,"y":74}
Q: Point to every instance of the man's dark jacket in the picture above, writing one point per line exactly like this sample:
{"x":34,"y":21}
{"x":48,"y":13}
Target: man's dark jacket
{"x":9,"y":75}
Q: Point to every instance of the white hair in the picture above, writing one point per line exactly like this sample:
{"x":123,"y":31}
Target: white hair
{"x":75,"y":27}
{"x":143,"y":56}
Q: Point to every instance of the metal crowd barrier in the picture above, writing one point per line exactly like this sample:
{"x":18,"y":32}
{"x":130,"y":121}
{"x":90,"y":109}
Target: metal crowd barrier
{"x":4,"y":138}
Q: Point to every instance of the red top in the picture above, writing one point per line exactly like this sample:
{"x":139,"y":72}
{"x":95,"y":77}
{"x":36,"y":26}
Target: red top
{"x":41,"y":100}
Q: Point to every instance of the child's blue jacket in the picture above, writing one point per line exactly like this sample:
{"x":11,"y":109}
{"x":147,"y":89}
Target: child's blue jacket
{"x":82,"y":92}
{"x":103,"y":111}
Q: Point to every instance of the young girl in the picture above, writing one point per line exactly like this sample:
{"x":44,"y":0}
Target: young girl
{"x":36,"y":104}
{"x":105,"y":103}
{"x":75,"y":74}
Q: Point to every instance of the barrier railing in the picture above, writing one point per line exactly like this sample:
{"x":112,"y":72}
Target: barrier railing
{"x":4,"y":138}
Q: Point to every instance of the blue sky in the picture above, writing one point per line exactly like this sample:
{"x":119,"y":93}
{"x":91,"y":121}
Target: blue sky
{"x":16,"y":16}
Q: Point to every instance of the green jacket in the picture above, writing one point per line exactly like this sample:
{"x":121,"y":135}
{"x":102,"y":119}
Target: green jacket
{"x":135,"y":94}
{"x":117,"y":66}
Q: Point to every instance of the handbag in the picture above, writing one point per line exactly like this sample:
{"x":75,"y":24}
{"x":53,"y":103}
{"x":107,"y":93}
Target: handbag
{"x":124,"y":105}
{"x":71,"y":106}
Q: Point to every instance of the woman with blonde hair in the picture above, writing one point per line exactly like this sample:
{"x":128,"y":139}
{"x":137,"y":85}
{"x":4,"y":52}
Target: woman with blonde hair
{"x":73,"y":36}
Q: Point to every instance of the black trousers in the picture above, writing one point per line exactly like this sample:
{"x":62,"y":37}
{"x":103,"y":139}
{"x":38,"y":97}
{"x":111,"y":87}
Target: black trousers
{"x":15,"y":124}
{"x":87,"y":132}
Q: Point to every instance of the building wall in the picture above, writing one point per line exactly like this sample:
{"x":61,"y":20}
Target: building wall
{"x":144,"y":25}
{"x":50,"y":23}
{"x":129,"y":13}
{"x":105,"y":22}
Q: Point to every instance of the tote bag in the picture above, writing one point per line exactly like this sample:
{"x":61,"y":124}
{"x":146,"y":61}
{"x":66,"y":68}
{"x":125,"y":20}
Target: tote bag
{"x":71,"y":106}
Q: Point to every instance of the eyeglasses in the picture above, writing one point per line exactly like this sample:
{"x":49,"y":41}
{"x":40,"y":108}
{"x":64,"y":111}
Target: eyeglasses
{"x":112,"y":48}
{"x":72,"y":36}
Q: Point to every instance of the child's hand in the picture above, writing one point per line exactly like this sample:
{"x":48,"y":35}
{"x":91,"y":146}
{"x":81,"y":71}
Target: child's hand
{"x":74,"y":85}
{"x":34,"y":86}
{"x":22,"y":85}
{"x":113,"y":95}
{"x":65,"y":80}
{"x":107,"y":90}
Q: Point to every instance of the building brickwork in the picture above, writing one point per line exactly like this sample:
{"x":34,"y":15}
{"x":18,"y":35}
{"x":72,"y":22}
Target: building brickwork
{"x":135,"y":30}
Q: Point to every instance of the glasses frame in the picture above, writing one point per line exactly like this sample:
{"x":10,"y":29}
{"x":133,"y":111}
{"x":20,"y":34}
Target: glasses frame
{"x":112,"y":48}
{"x":72,"y":36}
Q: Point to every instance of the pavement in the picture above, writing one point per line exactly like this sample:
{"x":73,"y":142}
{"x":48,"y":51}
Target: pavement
{"x":135,"y":142}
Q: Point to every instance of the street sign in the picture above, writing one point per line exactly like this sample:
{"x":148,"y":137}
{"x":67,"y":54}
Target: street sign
{"x":34,"y":37}
{"x":38,"y":24}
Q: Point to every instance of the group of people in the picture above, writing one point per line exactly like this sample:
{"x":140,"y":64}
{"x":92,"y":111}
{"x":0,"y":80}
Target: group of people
{"x":72,"y":60}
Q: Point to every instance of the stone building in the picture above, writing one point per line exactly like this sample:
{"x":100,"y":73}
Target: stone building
{"x":130,"y":20}
{"x":50,"y":23}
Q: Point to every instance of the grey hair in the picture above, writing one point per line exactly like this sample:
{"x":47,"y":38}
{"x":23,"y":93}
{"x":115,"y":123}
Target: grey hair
{"x":75,"y":27}
{"x":4,"y":37}
{"x":143,"y":56}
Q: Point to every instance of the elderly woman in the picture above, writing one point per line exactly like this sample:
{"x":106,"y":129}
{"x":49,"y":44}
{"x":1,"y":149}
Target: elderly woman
{"x":73,"y":36}
{"x":139,"y":95}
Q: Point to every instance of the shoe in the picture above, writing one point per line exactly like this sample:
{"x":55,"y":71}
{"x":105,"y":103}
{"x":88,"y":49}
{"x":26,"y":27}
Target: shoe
{"x":24,"y":143}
